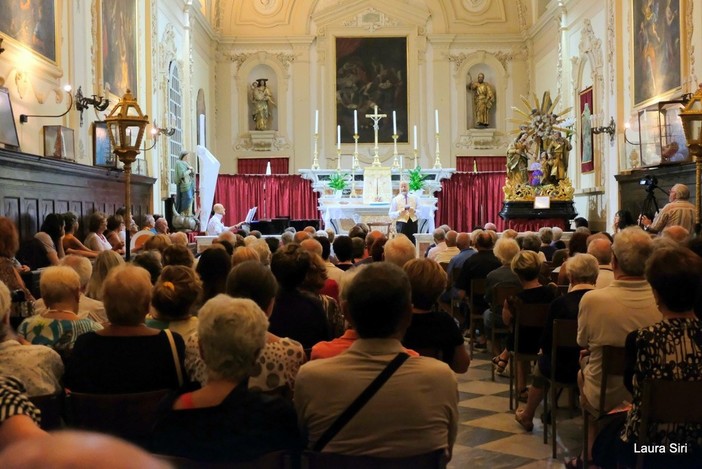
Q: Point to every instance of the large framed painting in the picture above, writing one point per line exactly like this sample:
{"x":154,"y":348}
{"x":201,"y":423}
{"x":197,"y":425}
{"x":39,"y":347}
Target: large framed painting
{"x":118,"y":30}
{"x":657,"y":58}
{"x":371,"y":72}
{"x":32,"y":23}
{"x":587,"y":149}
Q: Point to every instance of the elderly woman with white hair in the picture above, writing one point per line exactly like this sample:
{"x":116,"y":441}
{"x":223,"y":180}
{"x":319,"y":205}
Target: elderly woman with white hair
{"x":59,"y":326}
{"x":223,"y":421}
{"x":39,"y":368}
{"x":582,"y":273}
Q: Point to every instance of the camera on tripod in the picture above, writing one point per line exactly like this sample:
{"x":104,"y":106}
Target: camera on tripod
{"x":650,"y":183}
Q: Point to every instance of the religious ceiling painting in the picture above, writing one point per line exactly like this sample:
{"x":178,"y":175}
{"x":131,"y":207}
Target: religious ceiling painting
{"x":32,"y":23}
{"x":371,"y":72}
{"x":656,"y":53}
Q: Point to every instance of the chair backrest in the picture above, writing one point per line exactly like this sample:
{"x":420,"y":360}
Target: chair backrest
{"x":613,"y":364}
{"x":129,"y":416}
{"x":664,"y":401}
{"x":51,"y":407}
{"x":502,"y":291}
{"x":432,"y":460}
{"x":529,"y":315}
{"x":565,"y":335}
{"x":477,"y":290}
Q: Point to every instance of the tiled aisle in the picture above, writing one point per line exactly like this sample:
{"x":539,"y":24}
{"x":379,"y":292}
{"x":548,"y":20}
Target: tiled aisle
{"x":488,"y":435}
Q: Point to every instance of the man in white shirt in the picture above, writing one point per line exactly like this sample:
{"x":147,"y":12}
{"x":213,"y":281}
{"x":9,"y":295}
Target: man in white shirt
{"x":403,"y":209}
{"x":215,"y":226}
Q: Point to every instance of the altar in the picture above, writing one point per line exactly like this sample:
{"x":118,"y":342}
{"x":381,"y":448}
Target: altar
{"x":340,"y":213}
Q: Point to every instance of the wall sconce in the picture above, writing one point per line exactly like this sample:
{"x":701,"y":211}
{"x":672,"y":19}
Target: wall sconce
{"x":156,"y":132}
{"x":83,"y":103}
{"x":611,"y":129}
{"x":24,"y":117}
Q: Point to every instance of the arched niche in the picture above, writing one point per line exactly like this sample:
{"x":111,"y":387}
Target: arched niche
{"x":495,"y":75}
{"x":268,"y":67}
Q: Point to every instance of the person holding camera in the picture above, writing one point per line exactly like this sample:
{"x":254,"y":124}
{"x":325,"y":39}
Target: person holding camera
{"x":678,"y":211}
{"x":403,"y":209}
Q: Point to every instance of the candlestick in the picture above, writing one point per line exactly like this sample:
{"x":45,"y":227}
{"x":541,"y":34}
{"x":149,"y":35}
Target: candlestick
{"x":338,"y":137}
{"x":415,"y":137}
{"x":437,"y":160}
{"x":394,"y":122}
{"x":354,"y":163}
{"x":415,"y":158}
{"x":436,"y":120}
{"x":315,"y":161}
{"x":316,"y":121}
{"x":395,"y":162}
{"x":355,"y":121}
{"x":338,"y":159}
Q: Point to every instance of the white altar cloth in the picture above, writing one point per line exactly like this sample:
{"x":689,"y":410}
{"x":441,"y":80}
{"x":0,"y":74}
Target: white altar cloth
{"x":334,"y":211}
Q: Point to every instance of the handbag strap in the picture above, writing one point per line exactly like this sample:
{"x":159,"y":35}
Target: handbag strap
{"x":174,"y":352}
{"x":360,"y":401}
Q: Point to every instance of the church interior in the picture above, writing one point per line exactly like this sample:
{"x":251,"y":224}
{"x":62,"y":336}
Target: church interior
{"x":314,"y":111}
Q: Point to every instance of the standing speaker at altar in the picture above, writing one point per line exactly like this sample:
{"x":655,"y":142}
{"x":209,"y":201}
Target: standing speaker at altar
{"x":403,"y":209}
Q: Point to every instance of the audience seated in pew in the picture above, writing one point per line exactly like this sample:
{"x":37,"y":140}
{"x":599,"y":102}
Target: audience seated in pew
{"x":106,"y":261}
{"x":277,"y":366}
{"x":224,"y":421}
{"x":414,"y":412}
{"x":126,"y":356}
{"x":173,"y":301}
{"x":71,"y":244}
{"x":59,"y":326}
{"x":39,"y":368}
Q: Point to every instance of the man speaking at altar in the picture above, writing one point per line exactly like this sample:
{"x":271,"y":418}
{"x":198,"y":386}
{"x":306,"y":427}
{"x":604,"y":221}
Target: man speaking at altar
{"x":403,"y":209}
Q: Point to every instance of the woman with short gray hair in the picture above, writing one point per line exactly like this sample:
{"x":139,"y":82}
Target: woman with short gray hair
{"x":223,"y":421}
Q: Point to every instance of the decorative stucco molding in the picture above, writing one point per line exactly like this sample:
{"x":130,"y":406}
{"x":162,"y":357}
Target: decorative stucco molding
{"x":611,"y":45}
{"x":238,"y":58}
{"x":690,"y":47}
{"x":370,"y":19}
{"x":504,"y":57}
{"x":591,"y":47}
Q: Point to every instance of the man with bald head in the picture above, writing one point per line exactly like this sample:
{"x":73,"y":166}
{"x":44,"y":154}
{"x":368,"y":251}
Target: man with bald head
{"x":215,"y":226}
{"x":601,"y":248}
{"x":300,"y":236}
{"x":451,"y":250}
{"x":399,"y":250}
{"x":677,"y":233}
{"x":678,"y":211}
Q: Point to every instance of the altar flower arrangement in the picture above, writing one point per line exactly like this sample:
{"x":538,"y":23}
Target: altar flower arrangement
{"x":416,"y":179}
{"x":338,"y":181}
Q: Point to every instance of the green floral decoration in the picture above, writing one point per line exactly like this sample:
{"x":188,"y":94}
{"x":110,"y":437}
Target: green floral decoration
{"x":416,"y":178}
{"x":338,"y":181}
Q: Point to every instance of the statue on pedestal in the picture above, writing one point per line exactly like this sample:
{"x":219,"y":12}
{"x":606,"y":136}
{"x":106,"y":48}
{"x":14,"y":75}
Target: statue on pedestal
{"x":261,"y":98}
{"x":483,"y":100}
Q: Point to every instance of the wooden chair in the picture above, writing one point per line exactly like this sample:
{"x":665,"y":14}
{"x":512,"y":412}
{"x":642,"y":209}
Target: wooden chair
{"x":383,"y":227}
{"x":128,"y":416}
{"x":613,"y":363}
{"x":477,"y":289}
{"x":456,"y":305}
{"x":565,"y":335}
{"x":526,"y":315}
{"x":432,"y":460}
{"x":51,"y":407}
{"x":664,"y":401}
{"x":500,"y":293}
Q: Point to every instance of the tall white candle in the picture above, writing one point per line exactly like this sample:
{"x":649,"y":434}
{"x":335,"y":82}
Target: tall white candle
{"x":338,"y":137}
{"x":355,"y":121}
{"x":316,"y":121}
{"x":415,"y":137}
{"x":394,"y":123}
{"x":376,"y":109}
{"x":436,"y":120}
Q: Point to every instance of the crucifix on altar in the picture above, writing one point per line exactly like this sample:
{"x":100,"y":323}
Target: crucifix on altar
{"x":377,"y":180}
{"x":376,"y":118}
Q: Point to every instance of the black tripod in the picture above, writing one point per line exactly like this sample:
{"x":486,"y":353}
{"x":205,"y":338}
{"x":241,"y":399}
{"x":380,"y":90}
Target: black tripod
{"x":649,"y":207}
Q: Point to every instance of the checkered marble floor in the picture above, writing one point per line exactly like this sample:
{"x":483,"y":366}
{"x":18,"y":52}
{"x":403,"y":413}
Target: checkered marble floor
{"x":488,"y":435}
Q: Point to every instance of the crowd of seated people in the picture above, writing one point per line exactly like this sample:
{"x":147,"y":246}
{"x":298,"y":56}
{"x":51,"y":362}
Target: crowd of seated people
{"x":230,"y":334}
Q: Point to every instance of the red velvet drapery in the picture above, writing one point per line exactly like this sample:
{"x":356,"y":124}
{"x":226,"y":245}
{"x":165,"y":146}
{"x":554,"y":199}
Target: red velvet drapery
{"x":469,"y":164}
{"x":287,"y":194}
{"x":471,"y":199}
{"x":258,"y":165}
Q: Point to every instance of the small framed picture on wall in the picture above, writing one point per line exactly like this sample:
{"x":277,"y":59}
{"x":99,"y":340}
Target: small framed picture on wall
{"x":102,"y":149}
{"x":59,"y":143}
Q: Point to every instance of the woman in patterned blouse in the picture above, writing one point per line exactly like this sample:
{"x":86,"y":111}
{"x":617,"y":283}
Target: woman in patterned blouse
{"x":668,"y":350}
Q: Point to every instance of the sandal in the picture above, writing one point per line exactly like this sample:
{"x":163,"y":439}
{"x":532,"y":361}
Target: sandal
{"x":574,"y":463}
{"x":519,"y":417}
{"x":524,"y":395}
{"x":500,"y":364}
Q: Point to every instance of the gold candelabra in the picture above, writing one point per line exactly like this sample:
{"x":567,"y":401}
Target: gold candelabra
{"x":437,"y":160}
{"x":354,"y":163}
{"x":315,"y":161}
{"x":395,"y":162}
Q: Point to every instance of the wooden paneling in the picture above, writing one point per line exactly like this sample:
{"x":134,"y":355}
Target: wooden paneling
{"x":32,"y":187}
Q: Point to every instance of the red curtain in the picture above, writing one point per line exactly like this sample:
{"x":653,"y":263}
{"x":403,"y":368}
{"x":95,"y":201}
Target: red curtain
{"x":471,"y":199}
{"x":470,"y":164}
{"x":288,"y":195}
{"x":258,"y":165}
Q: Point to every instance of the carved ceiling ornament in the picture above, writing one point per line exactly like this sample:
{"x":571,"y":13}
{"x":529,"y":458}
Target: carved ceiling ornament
{"x":370,"y":19}
{"x":267,"y":7}
{"x":591,"y":47}
{"x":476,"y":6}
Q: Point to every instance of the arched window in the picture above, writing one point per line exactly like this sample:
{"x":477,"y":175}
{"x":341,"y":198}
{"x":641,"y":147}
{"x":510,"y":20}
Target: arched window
{"x":175,"y":120}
